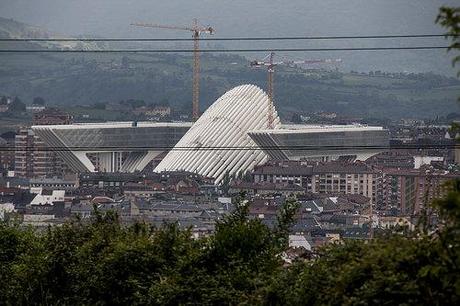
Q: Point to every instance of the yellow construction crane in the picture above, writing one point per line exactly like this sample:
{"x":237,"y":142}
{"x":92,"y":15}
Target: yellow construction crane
{"x":269,"y":62}
{"x":196,"y":30}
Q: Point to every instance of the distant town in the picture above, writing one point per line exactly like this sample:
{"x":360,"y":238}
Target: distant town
{"x":55,"y":169}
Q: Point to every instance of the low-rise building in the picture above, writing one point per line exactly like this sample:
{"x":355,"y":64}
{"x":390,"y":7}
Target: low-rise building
{"x":284,"y":172}
{"x":51,"y":116}
{"x":251,"y":188}
{"x":66,"y":183}
{"x":388,"y":222}
{"x":153,"y":111}
{"x":47,"y":197}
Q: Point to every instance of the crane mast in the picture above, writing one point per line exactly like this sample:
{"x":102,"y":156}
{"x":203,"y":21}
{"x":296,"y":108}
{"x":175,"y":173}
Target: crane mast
{"x":196,"y":73}
{"x":269,"y":62}
{"x":196,"y":32}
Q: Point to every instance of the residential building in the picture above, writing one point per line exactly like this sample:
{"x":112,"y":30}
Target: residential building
{"x":35,"y":108}
{"x":410,"y":191}
{"x":392,"y":159}
{"x":33,"y":158}
{"x":153,"y":111}
{"x":346,"y":178}
{"x":265,"y":188}
{"x":65,"y":183}
{"x":333,"y":177}
{"x":51,"y":116}
{"x":7,"y":147}
{"x":285,"y":172}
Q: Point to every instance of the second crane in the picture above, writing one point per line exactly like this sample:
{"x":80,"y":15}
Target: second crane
{"x":270,"y":63}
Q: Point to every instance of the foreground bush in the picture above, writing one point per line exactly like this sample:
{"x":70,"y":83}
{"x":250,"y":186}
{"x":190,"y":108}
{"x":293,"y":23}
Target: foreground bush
{"x":104,"y":263}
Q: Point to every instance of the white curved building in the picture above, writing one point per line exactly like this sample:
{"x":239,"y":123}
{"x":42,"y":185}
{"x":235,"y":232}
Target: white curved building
{"x":218,"y":142}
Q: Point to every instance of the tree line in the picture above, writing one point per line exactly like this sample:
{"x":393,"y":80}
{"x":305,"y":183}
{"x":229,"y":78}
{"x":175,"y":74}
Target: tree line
{"x":105,"y":263}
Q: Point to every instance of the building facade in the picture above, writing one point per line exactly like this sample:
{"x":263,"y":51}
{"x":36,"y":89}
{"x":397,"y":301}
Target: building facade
{"x":7,"y":147}
{"x":33,"y":158}
{"x":112,"y":146}
{"x":409,"y":192}
{"x":285,"y":172}
{"x":346,"y":178}
{"x":323,"y":177}
{"x":322,"y":142}
{"x":218,"y":142}
{"x":51,"y":116}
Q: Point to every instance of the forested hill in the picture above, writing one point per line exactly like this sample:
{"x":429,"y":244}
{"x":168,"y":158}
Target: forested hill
{"x":86,"y":79}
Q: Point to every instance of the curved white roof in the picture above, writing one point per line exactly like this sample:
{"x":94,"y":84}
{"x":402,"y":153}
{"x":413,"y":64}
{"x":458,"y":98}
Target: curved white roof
{"x":218,"y":142}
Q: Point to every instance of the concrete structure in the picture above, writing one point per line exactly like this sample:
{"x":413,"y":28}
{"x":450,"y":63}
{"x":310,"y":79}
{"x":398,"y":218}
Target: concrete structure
{"x":265,"y":188}
{"x":110,"y":147}
{"x":322,"y":142}
{"x":230,"y":137}
{"x":238,"y":121}
{"x":223,"y":131}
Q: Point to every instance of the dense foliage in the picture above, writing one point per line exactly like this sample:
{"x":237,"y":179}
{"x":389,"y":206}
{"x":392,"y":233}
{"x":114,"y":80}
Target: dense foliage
{"x":106,"y":263}
{"x":449,"y":17}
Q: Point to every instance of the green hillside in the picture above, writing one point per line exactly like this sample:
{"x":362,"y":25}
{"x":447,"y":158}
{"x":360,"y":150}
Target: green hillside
{"x":86,"y":79}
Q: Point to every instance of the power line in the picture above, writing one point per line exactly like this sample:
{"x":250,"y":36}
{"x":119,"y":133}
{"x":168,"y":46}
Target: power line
{"x":237,"y":148}
{"x":223,"y":38}
{"x":222,"y":50}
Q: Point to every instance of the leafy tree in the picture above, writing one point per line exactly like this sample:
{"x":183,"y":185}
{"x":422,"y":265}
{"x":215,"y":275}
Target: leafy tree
{"x":99,"y":106}
{"x":125,"y":62}
{"x":296,"y":118}
{"x":449,"y":17}
{"x":135,"y":103}
{"x":164,"y":102}
{"x":226,"y":183}
{"x":39,"y":101}
{"x":3,"y":100}
{"x":285,"y":218}
{"x":105,"y":263}
{"x":17,"y":106}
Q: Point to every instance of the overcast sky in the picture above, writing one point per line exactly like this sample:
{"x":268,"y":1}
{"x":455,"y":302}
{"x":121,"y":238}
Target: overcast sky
{"x":111,"y":18}
{"x":232,"y":17}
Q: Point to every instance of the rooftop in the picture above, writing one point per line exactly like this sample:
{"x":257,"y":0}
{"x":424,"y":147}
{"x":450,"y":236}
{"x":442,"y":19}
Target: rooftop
{"x":310,"y":128}
{"x":115,"y":124}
